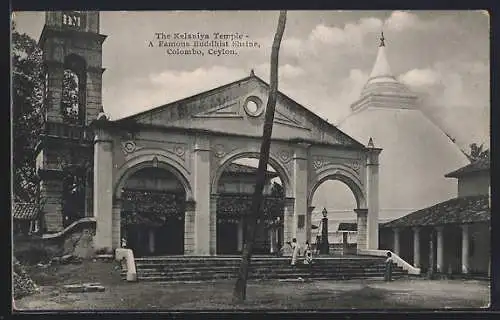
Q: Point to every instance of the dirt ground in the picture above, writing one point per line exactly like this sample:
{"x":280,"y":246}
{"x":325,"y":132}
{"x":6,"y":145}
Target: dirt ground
{"x":269,"y":294}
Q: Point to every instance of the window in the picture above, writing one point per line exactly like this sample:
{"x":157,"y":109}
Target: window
{"x":73,"y":90}
{"x":301,"y":221}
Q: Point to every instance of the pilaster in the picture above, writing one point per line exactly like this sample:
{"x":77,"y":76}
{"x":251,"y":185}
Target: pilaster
{"x":300,"y":178}
{"x":362,"y":226}
{"x":201,"y":190}
{"x":116,"y":222}
{"x":189,"y":227}
{"x":288,"y":220}
{"x":103,"y":189}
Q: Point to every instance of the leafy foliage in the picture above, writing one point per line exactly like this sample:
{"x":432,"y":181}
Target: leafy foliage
{"x":27,"y":113}
{"x":478,"y":152}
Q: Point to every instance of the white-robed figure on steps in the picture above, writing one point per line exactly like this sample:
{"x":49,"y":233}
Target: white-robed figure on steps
{"x":295,"y":251}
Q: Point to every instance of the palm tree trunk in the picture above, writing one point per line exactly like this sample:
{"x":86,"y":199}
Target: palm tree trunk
{"x":239,"y":293}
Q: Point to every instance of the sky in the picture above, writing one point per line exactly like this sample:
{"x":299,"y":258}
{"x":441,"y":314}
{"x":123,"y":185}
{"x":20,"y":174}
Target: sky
{"x":325,"y":59}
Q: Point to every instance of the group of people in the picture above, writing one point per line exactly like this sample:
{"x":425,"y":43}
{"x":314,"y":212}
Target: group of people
{"x":307,"y":253}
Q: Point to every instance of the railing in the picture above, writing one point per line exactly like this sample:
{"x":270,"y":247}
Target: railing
{"x":70,"y":228}
{"x":127,"y":255}
{"x":395,"y":258}
{"x":69,"y":131}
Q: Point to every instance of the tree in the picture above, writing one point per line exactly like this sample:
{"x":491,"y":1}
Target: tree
{"x":477,"y":152}
{"x":27,"y":113}
{"x":239,"y":293}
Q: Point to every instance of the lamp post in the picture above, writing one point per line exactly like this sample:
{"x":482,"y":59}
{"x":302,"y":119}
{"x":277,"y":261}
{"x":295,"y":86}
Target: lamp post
{"x":325,"y":247}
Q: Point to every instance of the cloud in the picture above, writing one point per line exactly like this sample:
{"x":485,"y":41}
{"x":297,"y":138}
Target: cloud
{"x":352,"y":34}
{"x":401,"y":20}
{"x":164,"y":87}
{"x":452,"y":83}
{"x":420,"y":77}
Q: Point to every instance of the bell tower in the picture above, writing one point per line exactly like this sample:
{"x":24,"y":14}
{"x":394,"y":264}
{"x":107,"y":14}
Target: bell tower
{"x":72,"y":57}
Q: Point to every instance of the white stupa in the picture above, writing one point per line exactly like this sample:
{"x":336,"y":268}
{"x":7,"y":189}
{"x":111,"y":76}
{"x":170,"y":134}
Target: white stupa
{"x":416,"y":153}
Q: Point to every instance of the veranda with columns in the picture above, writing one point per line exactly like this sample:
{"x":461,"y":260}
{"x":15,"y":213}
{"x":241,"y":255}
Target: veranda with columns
{"x":455,"y":248}
{"x":452,"y":236}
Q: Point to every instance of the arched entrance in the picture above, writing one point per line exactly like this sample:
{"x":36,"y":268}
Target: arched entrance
{"x":336,"y":194}
{"x":234,"y":197}
{"x":153,"y":212}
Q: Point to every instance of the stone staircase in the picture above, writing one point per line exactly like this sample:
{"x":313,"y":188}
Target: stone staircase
{"x":183,"y":268}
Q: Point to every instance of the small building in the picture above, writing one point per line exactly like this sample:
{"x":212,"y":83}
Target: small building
{"x":452,"y":236}
{"x":348,"y":231}
{"x":26,"y":218}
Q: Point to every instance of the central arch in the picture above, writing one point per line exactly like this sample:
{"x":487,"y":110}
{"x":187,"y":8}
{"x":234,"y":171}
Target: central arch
{"x":343,"y":174}
{"x":240,"y":154}
{"x":230,"y":228}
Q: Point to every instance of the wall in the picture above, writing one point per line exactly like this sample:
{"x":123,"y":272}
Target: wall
{"x":474,"y":184}
{"x":154,"y":179}
{"x":76,"y":239}
{"x":240,"y":184}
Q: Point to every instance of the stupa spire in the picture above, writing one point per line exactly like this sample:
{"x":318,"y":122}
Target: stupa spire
{"x":382,"y":39}
{"x":381,"y":67}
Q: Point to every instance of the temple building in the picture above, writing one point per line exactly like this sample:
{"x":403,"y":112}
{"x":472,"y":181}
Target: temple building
{"x":416,"y":152}
{"x":164,"y":181}
{"x":452,"y":236}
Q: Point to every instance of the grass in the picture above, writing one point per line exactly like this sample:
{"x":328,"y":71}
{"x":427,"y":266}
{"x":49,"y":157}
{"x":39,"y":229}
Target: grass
{"x":268,"y":294}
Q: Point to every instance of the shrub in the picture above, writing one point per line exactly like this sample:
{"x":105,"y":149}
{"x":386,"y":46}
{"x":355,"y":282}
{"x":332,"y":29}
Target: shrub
{"x":22,"y":284}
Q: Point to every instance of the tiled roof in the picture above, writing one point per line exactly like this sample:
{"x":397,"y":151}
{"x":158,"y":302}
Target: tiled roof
{"x":479,"y":165}
{"x":25,"y":211}
{"x":347,"y":226}
{"x":454,"y":211}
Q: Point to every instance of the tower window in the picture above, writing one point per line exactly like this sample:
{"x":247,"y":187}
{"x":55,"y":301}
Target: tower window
{"x":73,"y":90}
{"x":70,"y":96}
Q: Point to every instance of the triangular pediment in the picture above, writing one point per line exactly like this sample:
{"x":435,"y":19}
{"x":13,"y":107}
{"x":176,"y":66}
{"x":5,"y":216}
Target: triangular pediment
{"x":227,"y":110}
{"x":239,"y":108}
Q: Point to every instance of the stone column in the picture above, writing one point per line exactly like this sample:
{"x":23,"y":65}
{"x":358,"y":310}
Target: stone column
{"x":300,"y":167}
{"x":372,"y":165}
{"x":310,"y":210}
{"x":201,"y":190}
{"x":189,"y":228}
{"x":416,"y":247}
{"x":440,"y":250}
{"x":117,"y":223}
{"x":397,"y":246}
{"x":103,"y":189}
{"x":361,"y":242}
{"x":465,"y":248}
{"x":288,"y":220}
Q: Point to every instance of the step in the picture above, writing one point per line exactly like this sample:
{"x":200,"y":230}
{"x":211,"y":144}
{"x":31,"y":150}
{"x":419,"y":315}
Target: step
{"x":284,"y":276}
